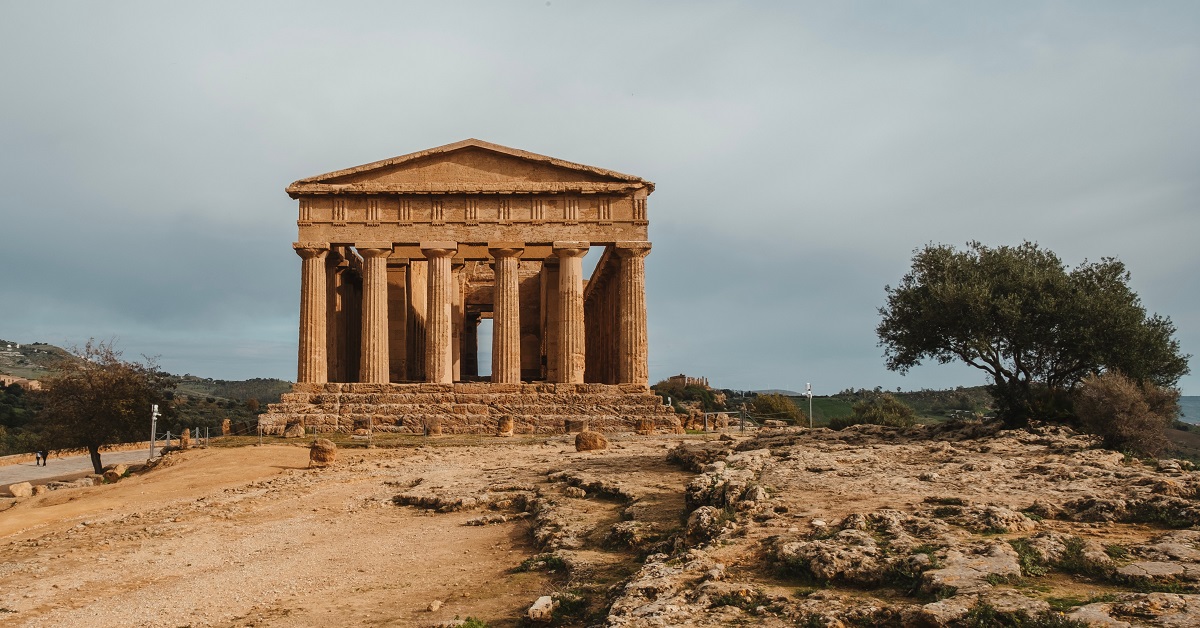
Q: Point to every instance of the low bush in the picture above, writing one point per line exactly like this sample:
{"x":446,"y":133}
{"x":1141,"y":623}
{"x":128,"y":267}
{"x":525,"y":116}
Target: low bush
{"x":1127,"y":415}
{"x":882,"y":409}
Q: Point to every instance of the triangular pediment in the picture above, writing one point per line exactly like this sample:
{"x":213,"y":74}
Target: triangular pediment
{"x":465,"y":166}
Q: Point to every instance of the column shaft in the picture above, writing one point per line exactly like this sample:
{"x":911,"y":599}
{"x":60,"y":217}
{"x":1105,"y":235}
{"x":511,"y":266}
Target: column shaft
{"x":439,"y":360}
{"x":312,"y":365}
{"x":506,"y":317}
{"x":571,"y":349}
{"x":373,"y":365}
{"x":632,"y":346}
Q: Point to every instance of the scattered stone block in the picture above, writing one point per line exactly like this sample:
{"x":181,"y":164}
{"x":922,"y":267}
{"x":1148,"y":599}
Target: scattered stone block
{"x":322,"y":453}
{"x":40,"y":489}
{"x":504,"y":426}
{"x":573,"y":426}
{"x":226,"y":427}
{"x":21,"y":489}
{"x":115,"y":473}
{"x":590,"y":441}
{"x":644,"y":427}
{"x":435,"y":605}
{"x":185,"y":439}
{"x":543,"y":609}
{"x":294,"y":430}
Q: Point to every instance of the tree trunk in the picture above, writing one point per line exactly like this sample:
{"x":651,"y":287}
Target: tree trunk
{"x":94,"y":450}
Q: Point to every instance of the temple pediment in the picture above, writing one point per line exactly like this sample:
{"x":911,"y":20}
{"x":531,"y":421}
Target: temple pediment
{"x":468,"y":166}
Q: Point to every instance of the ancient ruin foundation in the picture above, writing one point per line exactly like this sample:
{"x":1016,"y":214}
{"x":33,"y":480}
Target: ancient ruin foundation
{"x":402,"y":258}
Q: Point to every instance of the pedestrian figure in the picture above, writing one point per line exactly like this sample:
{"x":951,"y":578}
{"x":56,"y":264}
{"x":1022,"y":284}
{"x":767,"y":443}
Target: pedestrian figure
{"x":43,"y":455}
{"x":37,"y":458}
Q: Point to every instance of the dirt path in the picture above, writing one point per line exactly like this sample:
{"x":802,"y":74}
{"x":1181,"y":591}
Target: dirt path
{"x":251,"y":536}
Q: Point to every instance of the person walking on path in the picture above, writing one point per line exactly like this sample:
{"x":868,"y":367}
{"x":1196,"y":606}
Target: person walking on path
{"x":40,"y":456}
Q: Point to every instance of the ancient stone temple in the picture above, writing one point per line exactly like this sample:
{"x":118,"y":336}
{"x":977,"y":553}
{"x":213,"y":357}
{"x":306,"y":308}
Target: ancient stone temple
{"x":401,"y":260}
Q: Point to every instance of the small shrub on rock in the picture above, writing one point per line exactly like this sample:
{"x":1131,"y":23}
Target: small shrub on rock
{"x":1125,"y":414}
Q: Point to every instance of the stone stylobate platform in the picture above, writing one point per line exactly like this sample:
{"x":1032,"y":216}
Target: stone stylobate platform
{"x":402,"y":259}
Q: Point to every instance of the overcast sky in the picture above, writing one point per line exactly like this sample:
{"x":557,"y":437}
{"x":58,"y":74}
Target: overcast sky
{"x":801,"y":152}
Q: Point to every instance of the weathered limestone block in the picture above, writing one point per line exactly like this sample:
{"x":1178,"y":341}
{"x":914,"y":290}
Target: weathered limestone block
{"x":542,"y":609}
{"x":115,"y":473}
{"x":575,"y":425}
{"x":504,"y":426}
{"x":644,"y":427}
{"x":185,"y":439}
{"x":590,"y":441}
{"x":21,"y":489}
{"x":293,"y":430}
{"x":322,"y":453}
{"x":226,"y":427}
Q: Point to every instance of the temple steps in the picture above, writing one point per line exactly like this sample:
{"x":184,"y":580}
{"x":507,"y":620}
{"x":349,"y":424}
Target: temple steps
{"x":466,"y":408}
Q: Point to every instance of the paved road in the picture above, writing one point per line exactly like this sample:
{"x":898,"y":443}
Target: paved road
{"x":57,"y":467}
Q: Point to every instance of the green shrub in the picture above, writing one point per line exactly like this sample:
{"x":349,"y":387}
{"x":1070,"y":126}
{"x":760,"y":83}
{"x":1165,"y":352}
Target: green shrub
{"x":881,"y":409}
{"x":777,"y":407}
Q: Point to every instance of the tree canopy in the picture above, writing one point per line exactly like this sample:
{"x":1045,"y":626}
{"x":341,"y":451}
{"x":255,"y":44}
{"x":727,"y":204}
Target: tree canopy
{"x":100,"y":399}
{"x":1034,"y":326}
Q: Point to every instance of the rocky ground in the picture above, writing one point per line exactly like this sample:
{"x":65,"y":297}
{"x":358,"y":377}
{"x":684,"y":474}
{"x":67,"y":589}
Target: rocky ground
{"x":956,"y":525}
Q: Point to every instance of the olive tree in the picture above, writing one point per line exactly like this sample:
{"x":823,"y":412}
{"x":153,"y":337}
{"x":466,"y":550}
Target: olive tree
{"x":1033,"y":325}
{"x":97,"y":399}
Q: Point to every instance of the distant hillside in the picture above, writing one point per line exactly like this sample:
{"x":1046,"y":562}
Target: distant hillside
{"x":262,"y":389}
{"x":36,"y":360}
{"x":30,"y":361}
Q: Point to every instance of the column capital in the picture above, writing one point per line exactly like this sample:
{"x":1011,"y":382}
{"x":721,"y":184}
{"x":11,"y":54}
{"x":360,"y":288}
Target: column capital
{"x":632,"y":249}
{"x":438,"y":249}
{"x":571,"y":248}
{"x":309,"y":250}
{"x":373,"y":252}
{"x":506,"y":249}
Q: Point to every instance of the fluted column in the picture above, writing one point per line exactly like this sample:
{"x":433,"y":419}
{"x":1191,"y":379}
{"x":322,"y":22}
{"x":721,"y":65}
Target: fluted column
{"x":506,"y":317}
{"x":439,"y":360}
{"x":632,"y":346}
{"x":373,"y":364}
{"x":571,"y":350}
{"x":312,"y":363}
{"x":333,"y":262}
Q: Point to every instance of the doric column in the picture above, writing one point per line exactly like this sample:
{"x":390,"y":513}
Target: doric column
{"x":333,"y":261}
{"x":397,"y":319}
{"x":457,"y":316}
{"x":439,"y":361}
{"x":418,"y":293}
{"x":506,"y":317}
{"x":632,"y":349}
{"x":550,"y":319}
{"x":312,"y":363}
{"x":373,"y":364}
{"x":571,"y":351}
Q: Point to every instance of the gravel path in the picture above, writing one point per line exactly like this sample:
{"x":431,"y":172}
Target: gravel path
{"x":58,"y":467}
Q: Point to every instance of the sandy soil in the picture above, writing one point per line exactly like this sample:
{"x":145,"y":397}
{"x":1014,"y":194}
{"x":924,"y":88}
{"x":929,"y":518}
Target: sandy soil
{"x":251,"y":536}
{"x":869,"y":526}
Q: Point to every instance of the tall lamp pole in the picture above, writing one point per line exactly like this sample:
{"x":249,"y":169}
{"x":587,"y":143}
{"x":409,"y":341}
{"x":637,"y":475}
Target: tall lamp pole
{"x":808,"y":391}
{"x":153,"y":426}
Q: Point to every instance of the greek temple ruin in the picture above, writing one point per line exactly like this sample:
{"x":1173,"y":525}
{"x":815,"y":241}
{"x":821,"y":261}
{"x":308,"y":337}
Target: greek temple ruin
{"x":401,"y":260}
